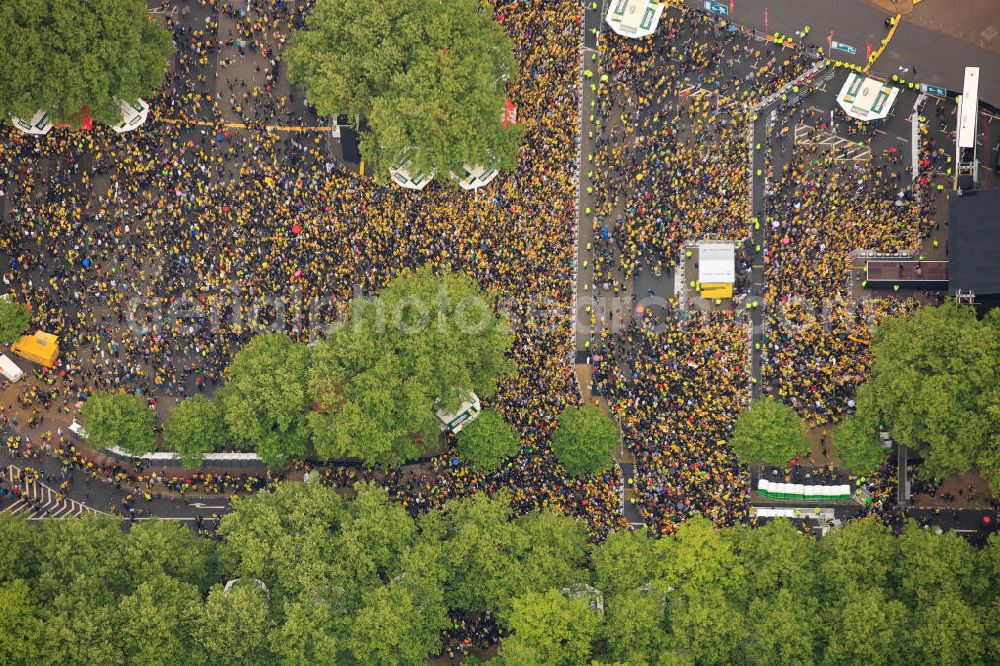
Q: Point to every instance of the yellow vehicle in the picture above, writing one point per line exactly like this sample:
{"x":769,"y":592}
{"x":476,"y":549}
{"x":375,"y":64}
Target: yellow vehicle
{"x":42,"y":348}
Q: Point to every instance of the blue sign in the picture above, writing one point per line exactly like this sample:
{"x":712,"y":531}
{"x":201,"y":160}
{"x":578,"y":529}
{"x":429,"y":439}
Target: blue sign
{"x":716,"y":8}
{"x":841,"y":46}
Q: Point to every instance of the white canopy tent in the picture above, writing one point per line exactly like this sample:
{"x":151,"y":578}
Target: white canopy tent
{"x":634,"y":18}
{"x":717,"y":262}
{"x":476,"y":177}
{"x":866,"y":99}
{"x":134,"y":114}
{"x":402,"y":177}
{"x":38,"y":125}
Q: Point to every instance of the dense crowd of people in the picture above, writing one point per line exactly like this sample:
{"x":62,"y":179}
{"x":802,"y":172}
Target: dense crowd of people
{"x":155,"y":255}
{"x":676,"y":385}
{"x":672,"y":161}
{"x":820,"y":211}
{"x":672,"y":166}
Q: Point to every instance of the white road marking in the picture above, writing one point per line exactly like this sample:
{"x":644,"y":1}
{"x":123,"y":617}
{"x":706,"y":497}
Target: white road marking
{"x":46,"y":503}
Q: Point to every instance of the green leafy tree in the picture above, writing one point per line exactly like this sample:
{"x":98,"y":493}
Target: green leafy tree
{"x":22,"y":548}
{"x":768,"y":431}
{"x":234,"y":627}
{"x":23,"y":624}
{"x":155,"y":624}
{"x":625,"y":561}
{"x":81,"y":583}
{"x":285,"y":538}
{"x":308,"y":635}
{"x":82,"y":561}
{"x":265,"y":398}
{"x":14,"y":317}
{"x":487,"y":441}
{"x":989,"y":465}
{"x":549,"y":628}
{"x":379,"y":528}
{"x":698,"y":557}
{"x":936,"y":565}
{"x":866,"y":628}
{"x":860,"y":555}
{"x":480,"y":532}
{"x":776,"y":627}
{"x":119,"y":419}
{"x":947,"y":631}
{"x":195,"y":427}
{"x":78,"y":630}
{"x":377,"y":377}
{"x":166,"y":547}
{"x":634,"y":627}
{"x":62,"y":55}
{"x":550,"y":549}
{"x":935,"y":382}
{"x":398,"y":625}
{"x":707,"y":625}
{"x":493,"y":558}
{"x":778,"y":556}
{"x":428,"y":76}
{"x":856,"y":441}
{"x":585,"y":440}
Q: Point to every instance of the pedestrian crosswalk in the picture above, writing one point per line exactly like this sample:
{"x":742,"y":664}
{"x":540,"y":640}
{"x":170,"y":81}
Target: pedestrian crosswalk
{"x":697,"y":93}
{"x":843,"y":149}
{"x":36,"y":500}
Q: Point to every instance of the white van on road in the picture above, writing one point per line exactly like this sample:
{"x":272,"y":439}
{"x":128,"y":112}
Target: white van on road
{"x":9,"y":369}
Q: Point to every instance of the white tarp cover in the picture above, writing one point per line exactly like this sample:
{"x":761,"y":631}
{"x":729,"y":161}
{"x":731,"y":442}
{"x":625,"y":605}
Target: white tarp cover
{"x":402,"y":177}
{"x":476,"y":177}
{"x":38,"y":125}
{"x":134,"y":114}
{"x":717,"y":263}
{"x":866,"y":99}
{"x":634,"y":18}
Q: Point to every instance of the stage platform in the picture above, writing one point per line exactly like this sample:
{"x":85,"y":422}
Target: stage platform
{"x":910,"y":273}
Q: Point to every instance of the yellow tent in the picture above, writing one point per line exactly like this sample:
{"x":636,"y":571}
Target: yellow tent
{"x":42,"y":348}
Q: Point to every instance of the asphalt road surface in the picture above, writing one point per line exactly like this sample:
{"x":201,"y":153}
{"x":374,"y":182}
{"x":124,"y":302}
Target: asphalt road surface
{"x":95,"y":495}
{"x":940,"y":59}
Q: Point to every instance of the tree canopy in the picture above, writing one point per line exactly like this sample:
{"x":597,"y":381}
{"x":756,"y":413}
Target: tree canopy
{"x":119,"y":419}
{"x":195,"y":426}
{"x":935,"y":383}
{"x":585,"y":440}
{"x":14,"y":319}
{"x":265,"y":400}
{"x":364,"y":581}
{"x":768,"y":431}
{"x":428,"y":76}
{"x":856,"y":441}
{"x":62,"y":55}
{"x":549,"y":628}
{"x":421,"y":344}
{"x":487,"y":441}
